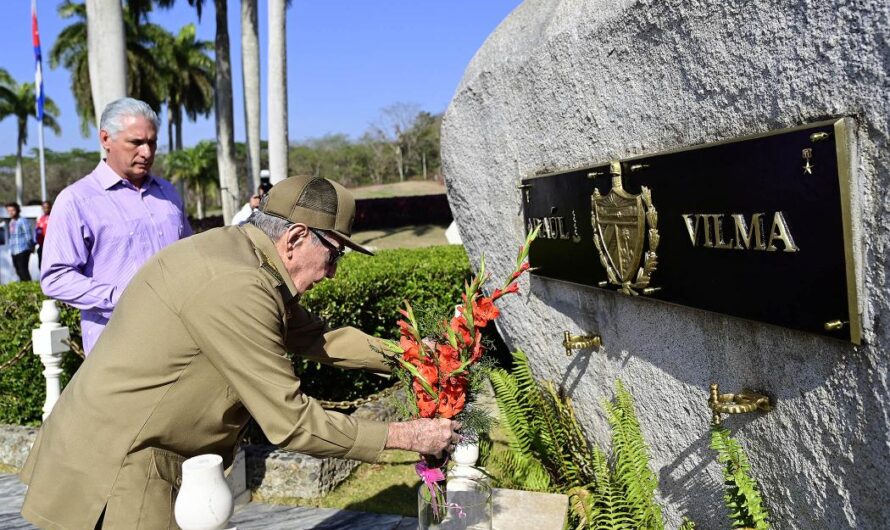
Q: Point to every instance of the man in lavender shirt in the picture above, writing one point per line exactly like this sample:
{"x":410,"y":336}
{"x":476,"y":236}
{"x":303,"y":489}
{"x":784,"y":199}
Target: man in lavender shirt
{"x":107,"y":224}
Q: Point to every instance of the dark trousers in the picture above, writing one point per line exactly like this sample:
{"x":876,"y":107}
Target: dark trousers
{"x":20,"y":262}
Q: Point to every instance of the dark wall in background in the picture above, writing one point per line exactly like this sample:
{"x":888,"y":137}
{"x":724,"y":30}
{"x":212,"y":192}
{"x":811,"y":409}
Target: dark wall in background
{"x":373,"y":214}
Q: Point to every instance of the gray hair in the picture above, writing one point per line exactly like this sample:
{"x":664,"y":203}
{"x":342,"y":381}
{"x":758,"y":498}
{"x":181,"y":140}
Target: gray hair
{"x":271,"y":225}
{"x":117,"y":110}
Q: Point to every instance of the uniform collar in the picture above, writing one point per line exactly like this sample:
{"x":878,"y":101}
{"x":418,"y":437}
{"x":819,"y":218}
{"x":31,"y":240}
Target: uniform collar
{"x":269,"y":255}
{"x":109,"y":177}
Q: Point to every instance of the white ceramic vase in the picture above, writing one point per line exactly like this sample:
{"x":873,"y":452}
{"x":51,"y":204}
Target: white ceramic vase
{"x":205,"y":500}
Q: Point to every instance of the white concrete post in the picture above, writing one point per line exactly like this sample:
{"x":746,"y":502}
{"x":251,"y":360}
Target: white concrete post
{"x":49,"y":344}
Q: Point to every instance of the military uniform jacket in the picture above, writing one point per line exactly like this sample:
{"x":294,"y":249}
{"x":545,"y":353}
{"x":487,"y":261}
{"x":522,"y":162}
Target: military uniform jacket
{"x":196,"y":346}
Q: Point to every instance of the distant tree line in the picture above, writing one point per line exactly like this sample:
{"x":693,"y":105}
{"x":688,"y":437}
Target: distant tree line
{"x":403,"y":144}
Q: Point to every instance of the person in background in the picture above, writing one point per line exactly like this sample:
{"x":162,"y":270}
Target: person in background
{"x":40,"y":231}
{"x":244,"y":213}
{"x":21,"y":241}
{"x":107,"y":224}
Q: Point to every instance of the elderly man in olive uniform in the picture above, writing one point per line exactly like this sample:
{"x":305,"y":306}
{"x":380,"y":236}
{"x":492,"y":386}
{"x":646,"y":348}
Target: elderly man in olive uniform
{"x":196,"y":346}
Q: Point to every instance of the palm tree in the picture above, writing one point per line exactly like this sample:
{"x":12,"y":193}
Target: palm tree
{"x":195,"y":167}
{"x":19,"y":100}
{"x":225,"y":123}
{"x":277,"y":103}
{"x":71,"y":49}
{"x":187,"y":73}
{"x":250,"y":78}
{"x":107,"y":57}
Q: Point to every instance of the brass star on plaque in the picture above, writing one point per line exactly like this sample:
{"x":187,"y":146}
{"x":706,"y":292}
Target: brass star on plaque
{"x":807,"y":154}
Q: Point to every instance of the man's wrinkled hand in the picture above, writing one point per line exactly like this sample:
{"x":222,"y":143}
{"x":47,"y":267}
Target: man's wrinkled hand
{"x":425,"y":436}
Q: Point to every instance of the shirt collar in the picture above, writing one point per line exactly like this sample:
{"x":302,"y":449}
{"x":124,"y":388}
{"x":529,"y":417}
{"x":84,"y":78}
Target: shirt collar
{"x":109,"y":177}
{"x":269,"y":255}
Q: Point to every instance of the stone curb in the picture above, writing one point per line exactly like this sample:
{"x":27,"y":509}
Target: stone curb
{"x":270,"y":472}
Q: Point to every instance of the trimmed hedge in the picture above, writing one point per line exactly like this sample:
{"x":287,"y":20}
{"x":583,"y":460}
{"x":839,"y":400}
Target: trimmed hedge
{"x":366,"y":293}
{"x":22,"y":386}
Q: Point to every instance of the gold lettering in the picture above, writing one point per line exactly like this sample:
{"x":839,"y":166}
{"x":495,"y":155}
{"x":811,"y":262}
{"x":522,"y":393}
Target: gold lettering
{"x":707,"y":217}
{"x":744,"y":235}
{"x":718,"y":233}
{"x":692,"y":226}
{"x":561,"y":228}
{"x":781,"y":231}
{"x":548,"y":228}
{"x":551,"y":227}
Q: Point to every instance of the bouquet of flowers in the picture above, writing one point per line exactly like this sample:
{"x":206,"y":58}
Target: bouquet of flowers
{"x":443,"y":367}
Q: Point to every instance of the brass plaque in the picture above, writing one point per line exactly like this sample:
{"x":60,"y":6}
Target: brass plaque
{"x":756,"y":227}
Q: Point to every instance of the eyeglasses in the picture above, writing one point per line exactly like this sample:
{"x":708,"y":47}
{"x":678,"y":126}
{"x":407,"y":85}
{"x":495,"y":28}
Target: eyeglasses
{"x":334,"y":253}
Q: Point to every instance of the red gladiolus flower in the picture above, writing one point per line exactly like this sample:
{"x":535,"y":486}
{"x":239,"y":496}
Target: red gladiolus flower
{"x":425,"y":404}
{"x":477,"y":347}
{"x":404,"y":328}
{"x":452,"y":397}
{"x":411,"y":350}
{"x":459,"y":325}
{"x":484,"y":311}
{"x":449,"y":359}
{"x":512,"y":288}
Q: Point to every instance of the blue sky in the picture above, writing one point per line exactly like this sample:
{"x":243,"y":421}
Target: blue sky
{"x":347,"y":59}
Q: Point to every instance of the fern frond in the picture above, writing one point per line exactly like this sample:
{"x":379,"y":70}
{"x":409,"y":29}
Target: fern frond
{"x":742,"y":495}
{"x":631,"y":461}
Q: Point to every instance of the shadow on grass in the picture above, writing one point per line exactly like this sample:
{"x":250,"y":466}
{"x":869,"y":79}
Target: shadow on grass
{"x":400,"y":499}
{"x":404,"y":231}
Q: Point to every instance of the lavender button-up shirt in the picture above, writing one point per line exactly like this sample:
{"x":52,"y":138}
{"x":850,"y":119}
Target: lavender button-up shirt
{"x":104,"y":229}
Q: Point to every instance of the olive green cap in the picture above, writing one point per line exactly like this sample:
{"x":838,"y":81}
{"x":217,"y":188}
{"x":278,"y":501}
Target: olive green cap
{"x":317,"y":203}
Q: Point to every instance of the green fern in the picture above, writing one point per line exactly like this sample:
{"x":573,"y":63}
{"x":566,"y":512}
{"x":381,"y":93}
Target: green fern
{"x":742,"y":495}
{"x":631,"y":460}
{"x":547,"y":451}
{"x":545,"y":442}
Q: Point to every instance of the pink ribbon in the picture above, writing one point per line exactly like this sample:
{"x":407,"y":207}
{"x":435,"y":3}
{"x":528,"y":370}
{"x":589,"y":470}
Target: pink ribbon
{"x":430,"y":477}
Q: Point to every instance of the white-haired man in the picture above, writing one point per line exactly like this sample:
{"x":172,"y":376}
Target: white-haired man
{"x":107,"y":224}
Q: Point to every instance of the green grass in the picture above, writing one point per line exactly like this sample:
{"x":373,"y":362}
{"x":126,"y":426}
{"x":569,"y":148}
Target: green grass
{"x":388,"y":487}
{"x":402,"y":237}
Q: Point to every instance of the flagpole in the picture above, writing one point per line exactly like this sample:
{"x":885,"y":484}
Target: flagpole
{"x":42,"y":164}
{"x":39,"y":96}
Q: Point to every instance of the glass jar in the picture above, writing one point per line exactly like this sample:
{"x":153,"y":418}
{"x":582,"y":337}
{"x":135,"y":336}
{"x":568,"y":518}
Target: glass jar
{"x":464,"y":503}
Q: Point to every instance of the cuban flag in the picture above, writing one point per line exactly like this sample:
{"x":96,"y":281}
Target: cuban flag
{"x":38,"y":74}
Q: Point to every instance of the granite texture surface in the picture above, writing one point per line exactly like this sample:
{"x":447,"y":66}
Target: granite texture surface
{"x":562,"y":84}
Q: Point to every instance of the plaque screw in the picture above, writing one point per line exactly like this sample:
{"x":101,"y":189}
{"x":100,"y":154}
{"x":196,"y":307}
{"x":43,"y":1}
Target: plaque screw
{"x":835,"y":325}
{"x":819,"y":136}
{"x":594,"y":174}
{"x":637,"y":167}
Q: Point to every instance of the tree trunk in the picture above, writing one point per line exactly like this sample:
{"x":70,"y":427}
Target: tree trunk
{"x":225,"y":152}
{"x":199,"y":199}
{"x":277,"y":103}
{"x":401,"y":163}
{"x":19,"y":175}
{"x":424,"y":165}
{"x":107,"y":53}
{"x":177,"y":121}
{"x":250,"y":75}
{"x":169,"y":130}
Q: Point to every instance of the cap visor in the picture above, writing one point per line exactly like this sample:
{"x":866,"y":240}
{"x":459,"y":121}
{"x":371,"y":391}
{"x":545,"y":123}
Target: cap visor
{"x":352,"y":244}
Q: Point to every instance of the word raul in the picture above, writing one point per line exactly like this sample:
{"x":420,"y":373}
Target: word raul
{"x":716,"y":231}
{"x":551,"y":227}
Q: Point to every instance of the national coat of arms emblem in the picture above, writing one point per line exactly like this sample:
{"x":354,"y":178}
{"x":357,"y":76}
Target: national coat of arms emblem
{"x":620,"y":222}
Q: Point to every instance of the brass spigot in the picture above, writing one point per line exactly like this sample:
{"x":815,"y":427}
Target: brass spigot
{"x":580,"y":342}
{"x":740,"y":403}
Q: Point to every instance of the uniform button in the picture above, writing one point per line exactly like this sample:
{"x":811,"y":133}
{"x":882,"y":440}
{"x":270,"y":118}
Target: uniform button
{"x":178,"y":481}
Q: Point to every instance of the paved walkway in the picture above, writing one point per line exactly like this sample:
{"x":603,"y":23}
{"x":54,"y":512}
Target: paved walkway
{"x":252,"y":516}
